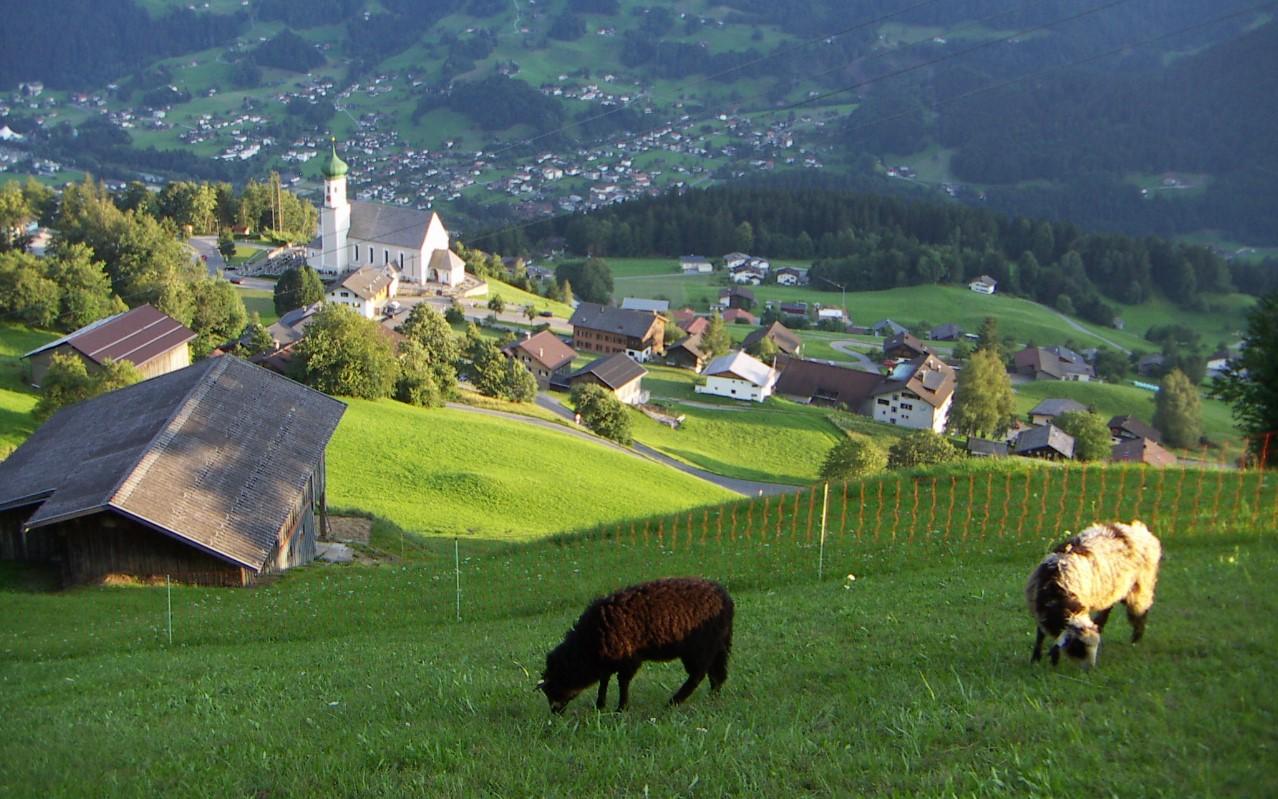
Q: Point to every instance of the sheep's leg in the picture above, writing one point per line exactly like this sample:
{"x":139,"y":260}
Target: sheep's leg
{"x":1055,"y":653}
{"x":1038,"y":646}
{"x":603,"y":692}
{"x":719,"y":669}
{"x":624,"y":676}
{"x":696,"y":673}
{"x":1102,"y":618}
{"x":1138,"y":623}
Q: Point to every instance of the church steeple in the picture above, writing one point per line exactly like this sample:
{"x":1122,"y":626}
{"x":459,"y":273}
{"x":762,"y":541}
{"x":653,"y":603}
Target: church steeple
{"x":334,"y":167}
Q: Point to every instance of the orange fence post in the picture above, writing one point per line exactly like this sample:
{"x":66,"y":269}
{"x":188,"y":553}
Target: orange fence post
{"x":860,"y":510}
{"x":1140,"y":494}
{"x":949,"y":511}
{"x":971,"y":498}
{"x":1198,"y":495}
{"x":661,"y":534}
{"x":843,"y":514}
{"x":1217,"y":518}
{"x":1007,"y":497}
{"x":914,"y":510}
{"x":763,"y":525}
{"x":733,"y":533}
{"x":794,"y":518}
{"x":878,"y":512}
{"x":750,"y":520}
{"x":931,"y":511}
{"x":807,"y":532}
{"x":896,"y":507}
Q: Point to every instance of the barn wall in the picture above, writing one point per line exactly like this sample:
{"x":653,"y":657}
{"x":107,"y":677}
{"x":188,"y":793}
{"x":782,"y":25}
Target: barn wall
{"x":177,"y":358}
{"x":295,"y":545}
{"x":16,"y":545}
{"x":103,"y":543}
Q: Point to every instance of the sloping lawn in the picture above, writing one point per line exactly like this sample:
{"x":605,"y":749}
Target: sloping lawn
{"x":17,"y":399}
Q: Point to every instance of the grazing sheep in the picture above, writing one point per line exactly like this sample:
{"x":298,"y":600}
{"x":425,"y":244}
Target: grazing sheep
{"x":1091,"y":572}
{"x":683,"y":617}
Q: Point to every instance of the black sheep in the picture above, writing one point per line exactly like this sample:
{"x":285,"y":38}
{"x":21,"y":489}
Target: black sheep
{"x":681,"y":617}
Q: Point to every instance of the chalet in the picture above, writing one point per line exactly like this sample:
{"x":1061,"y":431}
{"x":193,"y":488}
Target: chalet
{"x":150,"y":339}
{"x":747,"y":274}
{"x":213,"y":474}
{"x":1127,"y":428}
{"x":733,"y":259}
{"x":545,"y":355}
{"x":739,"y":316}
{"x":687,"y":354}
{"x":605,"y":329}
{"x":984,"y":448}
{"x":695,"y":264}
{"x":695,"y":326}
{"x":887,"y":328}
{"x":1048,"y":442}
{"x":290,"y":328}
{"x":904,"y":346}
{"x":820,"y":383}
{"x":739,"y":376}
{"x":785,"y":339}
{"x":946,"y":332}
{"x":1142,"y":450}
{"x":736,"y":297}
{"x":983,"y":285}
{"x":1053,"y":363}
{"x":1047,"y":410}
{"x":917,"y":394}
{"x":618,"y":373}
{"x":789,"y":276}
{"x":366,"y":290}
{"x":640,"y":304}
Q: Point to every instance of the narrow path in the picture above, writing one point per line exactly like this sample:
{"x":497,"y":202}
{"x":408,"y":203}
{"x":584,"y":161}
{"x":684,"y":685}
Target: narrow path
{"x":1085,"y":331}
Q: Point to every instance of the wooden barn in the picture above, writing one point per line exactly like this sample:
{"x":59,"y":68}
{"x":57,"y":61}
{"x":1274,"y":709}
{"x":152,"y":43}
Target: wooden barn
{"x":213,"y":474}
{"x":149,"y":339}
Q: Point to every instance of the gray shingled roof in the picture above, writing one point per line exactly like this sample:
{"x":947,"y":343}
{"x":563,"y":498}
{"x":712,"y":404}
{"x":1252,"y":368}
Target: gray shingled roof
{"x":369,"y":281}
{"x":389,"y":224}
{"x":786,"y":341}
{"x":593,"y":316}
{"x":1048,"y":435}
{"x":613,"y":371}
{"x":214,"y":455}
{"x":546,"y":349}
{"x":1054,"y":407}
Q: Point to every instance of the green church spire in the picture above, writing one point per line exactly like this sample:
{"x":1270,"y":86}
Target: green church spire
{"x":336,"y":167}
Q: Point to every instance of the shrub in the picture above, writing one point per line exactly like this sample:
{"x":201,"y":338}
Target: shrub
{"x":853,"y":457}
{"x":922,"y":448}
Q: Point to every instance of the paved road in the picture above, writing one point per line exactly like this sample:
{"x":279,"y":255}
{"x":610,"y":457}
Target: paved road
{"x":1085,"y":331}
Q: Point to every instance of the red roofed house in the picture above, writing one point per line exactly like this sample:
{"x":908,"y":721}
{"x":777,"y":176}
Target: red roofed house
{"x":738,"y":316}
{"x":149,"y":339}
{"x":545,"y":355}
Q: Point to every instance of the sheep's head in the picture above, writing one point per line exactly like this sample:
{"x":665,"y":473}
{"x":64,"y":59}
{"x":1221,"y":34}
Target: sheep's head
{"x":557,"y":681}
{"x":1080,"y":641}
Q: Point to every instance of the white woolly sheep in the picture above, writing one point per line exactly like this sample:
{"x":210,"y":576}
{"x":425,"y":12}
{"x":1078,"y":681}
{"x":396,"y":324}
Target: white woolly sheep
{"x":1105,"y":564}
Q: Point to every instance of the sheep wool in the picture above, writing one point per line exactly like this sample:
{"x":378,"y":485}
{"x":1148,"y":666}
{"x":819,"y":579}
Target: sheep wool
{"x":1091,"y":572}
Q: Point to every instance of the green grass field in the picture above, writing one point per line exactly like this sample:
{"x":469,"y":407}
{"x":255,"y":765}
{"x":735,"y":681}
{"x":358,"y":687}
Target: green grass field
{"x":17,"y":399}
{"x":449,"y":472}
{"x":260,"y":301}
{"x":913,"y":679}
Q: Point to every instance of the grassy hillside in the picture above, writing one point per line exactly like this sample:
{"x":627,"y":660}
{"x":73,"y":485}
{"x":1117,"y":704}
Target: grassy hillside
{"x":449,"y":472}
{"x":16,"y":397}
{"x":911,"y":679}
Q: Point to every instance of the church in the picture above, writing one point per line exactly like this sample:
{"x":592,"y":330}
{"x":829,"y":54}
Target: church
{"x":356,"y":235}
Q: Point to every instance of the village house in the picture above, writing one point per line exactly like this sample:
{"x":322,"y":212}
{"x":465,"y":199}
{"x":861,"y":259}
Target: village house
{"x":212,"y":474}
{"x":789,"y":276}
{"x":606,"y":329}
{"x":945,"y":332}
{"x":695,"y":264}
{"x":983,"y":285}
{"x":747,"y":274}
{"x":984,"y":448}
{"x":687,"y":353}
{"x":786,"y":340}
{"x":545,"y":355}
{"x":888,"y":328}
{"x":641,"y":304}
{"x":1053,"y":363}
{"x":1047,"y":410}
{"x":820,"y":383}
{"x":1142,"y":450}
{"x":367,"y":290}
{"x":904,"y":345}
{"x":739,"y":316}
{"x":736,"y":297}
{"x":1048,"y":442}
{"x":917,"y":394}
{"x":618,"y":373}
{"x":150,"y":339}
{"x":734,"y":259}
{"x":739,"y":376}
{"x":1128,"y":428}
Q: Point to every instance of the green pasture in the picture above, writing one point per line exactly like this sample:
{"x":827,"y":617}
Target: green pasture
{"x":260,"y":301}
{"x":1224,"y":320}
{"x":17,"y":398}
{"x":902,"y":671}
{"x":516,"y":299}
{"x":457,"y":473}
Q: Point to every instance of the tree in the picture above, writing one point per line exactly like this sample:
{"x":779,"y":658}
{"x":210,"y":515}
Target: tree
{"x":854,"y":456}
{"x":921,"y":448}
{"x":519,"y":384}
{"x":715,"y":340}
{"x":1178,"y":411}
{"x":1250,"y":381}
{"x":85,"y":288}
{"x":766,"y":350}
{"x":591,"y":279}
{"x":601,"y":412}
{"x":496,"y":303}
{"x":1091,"y":434}
{"x":26,"y":295}
{"x":416,"y":383}
{"x":67,"y":381}
{"x":1111,"y":366}
{"x":219,"y":314}
{"x":983,"y":401}
{"x":226,"y":245}
{"x":15,"y":213}
{"x":296,"y":288}
{"x":987,"y":337}
{"x":344,"y":353}
{"x":256,"y":338}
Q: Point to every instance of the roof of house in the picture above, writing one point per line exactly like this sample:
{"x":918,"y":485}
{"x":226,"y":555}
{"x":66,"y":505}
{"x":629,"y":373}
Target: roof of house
{"x":593,"y":316}
{"x":783,"y":337}
{"x":1142,"y":450}
{"x":695,"y":326}
{"x":1135,"y":427}
{"x":292,"y":325}
{"x":391,"y":224}
{"x":691,"y":343}
{"x":369,"y":281}
{"x":890,"y":325}
{"x":946,"y":332}
{"x":927,"y":376}
{"x":445,"y":261}
{"x":824,"y":381}
{"x":546,"y":349}
{"x":737,"y":291}
{"x":1057,"y":362}
{"x":981,"y":446}
{"x":733,"y":314}
{"x":1054,"y":407}
{"x":907,"y":341}
{"x":214,"y":455}
{"x":692,"y":258}
{"x":135,"y":336}
{"x":986,"y":280}
{"x":741,"y":365}
{"x":1046,"y":436}
{"x":642,"y":304}
{"x":614,"y":371}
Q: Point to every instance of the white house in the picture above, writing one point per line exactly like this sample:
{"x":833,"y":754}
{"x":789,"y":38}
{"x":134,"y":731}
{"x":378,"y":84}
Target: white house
{"x":983,"y":285}
{"x":748,"y":275}
{"x":367,"y":290}
{"x":695,"y":264}
{"x":789,"y":276}
{"x":354,"y":235}
{"x":917,"y":394}
{"x":739,"y":376}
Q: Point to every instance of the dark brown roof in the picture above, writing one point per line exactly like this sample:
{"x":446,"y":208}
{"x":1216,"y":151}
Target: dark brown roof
{"x":135,"y":336}
{"x":635,"y":324}
{"x":825,"y":382}
{"x":907,"y":341}
{"x":614,"y":371}
{"x":546,"y":349}
{"x":1142,"y":450}
{"x":215,"y":455}
{"x":928,"y":377}
{"x":1135,"y":428}
{"x":1055,"y":406}
{"x":781,"y":335}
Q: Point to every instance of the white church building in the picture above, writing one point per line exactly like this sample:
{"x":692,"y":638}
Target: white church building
{"x":355,"y":235}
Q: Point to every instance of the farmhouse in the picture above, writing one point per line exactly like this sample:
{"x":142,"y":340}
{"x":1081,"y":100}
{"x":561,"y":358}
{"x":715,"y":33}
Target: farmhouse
{"x":917,"y":394}
{"x":904,"y":345}
{"x":984,"y":448}
{"x":605,"y":329}
{"x":291,"y":327}
{"x":640,"y":304}
{"x":618,"y":373}
{"x":887,"y":328}
{"x":739,"y":376}
{"x":544,"y":354}
{"x":946,"y":332}
{"x":695,"y":264}
{"x":213,"y":474}
{"x":1048,"y":442}
{"x":358,"y":234}
{"x":366,"y":290}
{"x":1053,"y":363}
{"x":983,"y":285}
{"x":736,"y":297}
{"x":739,"y":316}
{"x":1127,"y":428}
{"x":686,"y":353}
{"x":1047,"y":410}
{"x":1142,"y":450}
{"x":819,"y":383}
{"x":789,"y":276}
{"x":786,"y":340}
{"x":149,"y":339}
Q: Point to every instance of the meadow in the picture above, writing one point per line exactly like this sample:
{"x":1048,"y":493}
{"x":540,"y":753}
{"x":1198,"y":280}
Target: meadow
{"x":17,"y":399}
{"x":902,"y":670}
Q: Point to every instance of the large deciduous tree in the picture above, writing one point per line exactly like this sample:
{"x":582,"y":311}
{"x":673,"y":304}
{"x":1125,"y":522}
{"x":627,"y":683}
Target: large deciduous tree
{"x":67,"y":381}
{"x":344,"y":353}
{"x":1091,"y":434}
{"x":1250,"y":381}
{"x":297,"y":287}
{"x":1178,"y":411}
{"x":219,"y":314}
{"x":983,"y":401}
{"x":601,"y":411}
{"x":921,"y":448}
{"x":715,"y":340}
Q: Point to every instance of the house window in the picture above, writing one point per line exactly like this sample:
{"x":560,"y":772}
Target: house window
{"x":385,"y":257}
{"x":883,"y":402}
{"x":905,"y":406}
